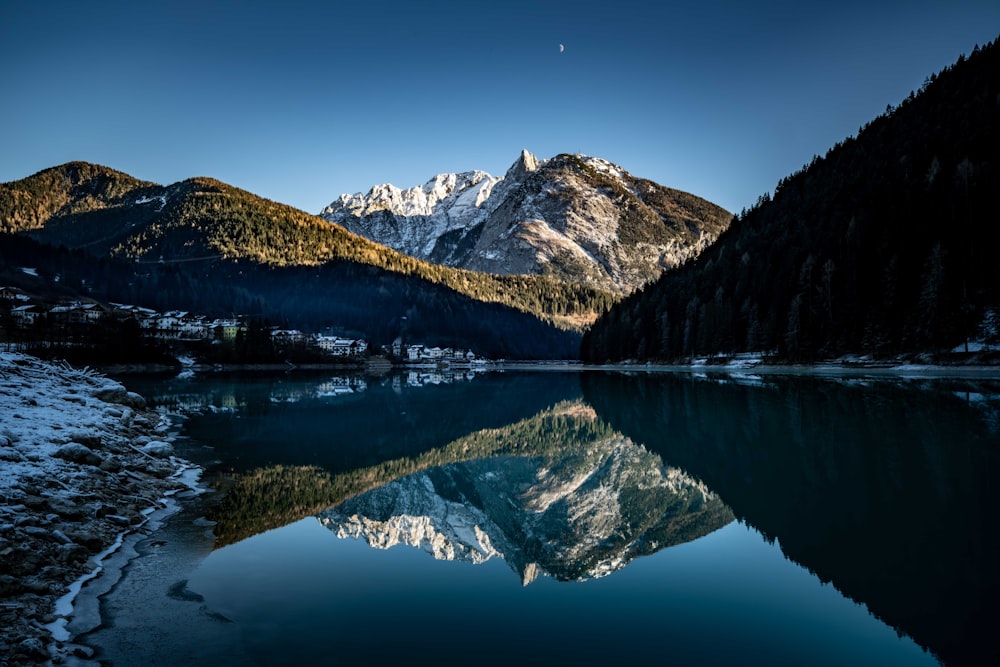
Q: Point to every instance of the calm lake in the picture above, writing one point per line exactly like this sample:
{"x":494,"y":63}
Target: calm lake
{"x":572,"y":518}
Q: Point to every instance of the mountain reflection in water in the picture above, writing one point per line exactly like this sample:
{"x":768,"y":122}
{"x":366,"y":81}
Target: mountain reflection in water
{"x":580,"y":512}
{"x":881,"y":487}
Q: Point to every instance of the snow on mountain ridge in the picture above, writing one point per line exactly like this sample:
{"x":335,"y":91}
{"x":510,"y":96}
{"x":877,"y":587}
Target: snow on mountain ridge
{"x":418,"y":200}
{"x":579,"y":218}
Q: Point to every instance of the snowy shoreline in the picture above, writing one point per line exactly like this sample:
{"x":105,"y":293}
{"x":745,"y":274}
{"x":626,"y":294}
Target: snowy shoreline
{"x":83,"y":464}
{"x":738,"y":364}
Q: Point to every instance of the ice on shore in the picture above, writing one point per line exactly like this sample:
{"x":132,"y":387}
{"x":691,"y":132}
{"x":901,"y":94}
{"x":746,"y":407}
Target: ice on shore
{"x":82,"y":463}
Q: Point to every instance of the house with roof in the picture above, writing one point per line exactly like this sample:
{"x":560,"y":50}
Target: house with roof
{"x":25,"y":315}
{"x":225,"y":329}
{"x":13,"y":295}
{"x":290,"y":337}
{"x":342,"y":347}
{"x":76,"y":312}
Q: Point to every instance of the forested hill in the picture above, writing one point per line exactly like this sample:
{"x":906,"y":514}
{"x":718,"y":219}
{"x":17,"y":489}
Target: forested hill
{"x":74,"y":188}
{"x":883,"y":246}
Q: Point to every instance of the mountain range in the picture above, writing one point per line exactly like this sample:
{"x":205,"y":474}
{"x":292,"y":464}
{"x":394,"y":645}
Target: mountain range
{"x":578,"y":218}
{"x":876,"y":248}
{"x":533,"y":257}
{"x":203,"y":245}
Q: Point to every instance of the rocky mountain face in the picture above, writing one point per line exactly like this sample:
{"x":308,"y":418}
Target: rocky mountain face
{"x":575,"y":515}
{"x":581,"y":219}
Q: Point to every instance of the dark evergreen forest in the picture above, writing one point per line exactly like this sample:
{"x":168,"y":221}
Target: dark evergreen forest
{"x":348,"y":297}
{"x":880,"y":247}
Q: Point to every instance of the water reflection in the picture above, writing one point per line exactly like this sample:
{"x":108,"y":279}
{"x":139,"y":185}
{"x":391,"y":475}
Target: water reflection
{"x":194,"y":394}
{"x":882,"y":488}
{"x":576,"y":511}
{"x":885,"y":489}
{"x":256,"y":421}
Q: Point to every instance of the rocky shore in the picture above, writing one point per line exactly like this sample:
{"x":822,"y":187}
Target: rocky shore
{"x":83,"y":463}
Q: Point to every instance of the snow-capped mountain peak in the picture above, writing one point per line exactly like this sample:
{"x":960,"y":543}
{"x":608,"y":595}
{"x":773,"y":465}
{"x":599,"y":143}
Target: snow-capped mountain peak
{"x":579,"y":218}
{"x":423,"y":200}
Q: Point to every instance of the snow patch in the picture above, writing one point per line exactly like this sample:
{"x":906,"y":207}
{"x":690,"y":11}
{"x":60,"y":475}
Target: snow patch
{"x":974,"y":346}
{"x":148,"y":200}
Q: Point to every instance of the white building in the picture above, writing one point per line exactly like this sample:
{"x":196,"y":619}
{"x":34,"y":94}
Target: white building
{"x":25,"y":315}
{"x":342,"y":347}
{"x":13,"y":294}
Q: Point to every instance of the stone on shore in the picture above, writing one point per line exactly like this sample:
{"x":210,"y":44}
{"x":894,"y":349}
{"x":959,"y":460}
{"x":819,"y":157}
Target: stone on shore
{"x":77,"y":453}
{"x":115,"y":393}
{"x":158,"y":448}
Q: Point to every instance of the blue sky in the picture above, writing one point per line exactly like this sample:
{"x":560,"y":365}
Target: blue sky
{"x":302,"y":101}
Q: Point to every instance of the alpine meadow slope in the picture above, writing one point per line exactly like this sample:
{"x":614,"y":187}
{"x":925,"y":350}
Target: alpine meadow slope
{"x":881,"y":247}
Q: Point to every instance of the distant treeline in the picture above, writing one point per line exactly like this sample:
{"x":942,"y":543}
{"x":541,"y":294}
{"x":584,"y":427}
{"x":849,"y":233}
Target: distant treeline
{"x":351,"y":298}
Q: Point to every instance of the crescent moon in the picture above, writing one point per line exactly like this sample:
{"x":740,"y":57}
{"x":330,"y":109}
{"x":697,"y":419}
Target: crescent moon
{"x":561,"y":48}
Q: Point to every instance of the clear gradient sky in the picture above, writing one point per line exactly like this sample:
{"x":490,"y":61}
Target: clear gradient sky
{"x":302,"y":101}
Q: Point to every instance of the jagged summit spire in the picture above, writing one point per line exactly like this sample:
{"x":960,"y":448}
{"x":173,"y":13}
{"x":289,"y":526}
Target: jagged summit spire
{"x":529,"y":161}
{"x":525,"y":164}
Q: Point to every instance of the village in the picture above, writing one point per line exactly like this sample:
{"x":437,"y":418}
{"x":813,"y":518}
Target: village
{"x":25,"y":319}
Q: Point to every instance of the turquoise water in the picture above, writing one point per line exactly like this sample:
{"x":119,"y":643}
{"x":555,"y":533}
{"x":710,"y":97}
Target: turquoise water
{"x":574,"y":518}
